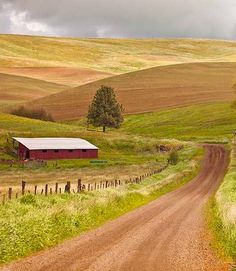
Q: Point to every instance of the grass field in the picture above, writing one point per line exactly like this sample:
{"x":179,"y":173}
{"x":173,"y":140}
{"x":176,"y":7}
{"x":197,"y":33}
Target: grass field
{"x":126,"y":157}
{"x":222,"y":211}
{"x":210,"y":122}
{"x":17,"y":89}
{"x":109,"y":55}
{"x":150,"y":90}
{"x":35,"y":223}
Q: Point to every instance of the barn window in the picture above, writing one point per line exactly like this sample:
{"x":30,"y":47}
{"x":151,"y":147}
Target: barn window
{"x":56,"y":150}
{"x":84,"y":150}
{"x":44,"y":150}
{"x":70,"y":150}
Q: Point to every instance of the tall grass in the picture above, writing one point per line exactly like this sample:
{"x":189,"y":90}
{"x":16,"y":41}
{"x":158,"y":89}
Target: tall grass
{"x":32,"y":223}
{"x":222,"y":218}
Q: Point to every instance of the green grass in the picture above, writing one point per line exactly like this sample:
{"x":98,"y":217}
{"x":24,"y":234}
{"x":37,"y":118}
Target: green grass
{"x":223,"y":212}
{"x":32,"y":223}
{"x":213,"y":122}
{"x":111,"y":55}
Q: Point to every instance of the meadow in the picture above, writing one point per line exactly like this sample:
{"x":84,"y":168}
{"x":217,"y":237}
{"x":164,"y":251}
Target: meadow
{"x":125,"y":156}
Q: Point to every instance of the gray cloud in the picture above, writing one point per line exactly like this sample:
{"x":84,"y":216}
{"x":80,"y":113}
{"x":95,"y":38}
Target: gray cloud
{"x":120,"y":18}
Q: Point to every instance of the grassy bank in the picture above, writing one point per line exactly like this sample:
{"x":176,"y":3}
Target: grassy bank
{"x":32,"y":223}
{"x":211,"y":122}
{"x":222,"y":212}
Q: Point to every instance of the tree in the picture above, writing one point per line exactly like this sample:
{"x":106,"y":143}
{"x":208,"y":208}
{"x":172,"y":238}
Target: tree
{"x":104,"y":110}
{"x":173,"y":158}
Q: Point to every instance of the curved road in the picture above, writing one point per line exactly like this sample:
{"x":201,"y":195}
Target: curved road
{"x":165,"y":235}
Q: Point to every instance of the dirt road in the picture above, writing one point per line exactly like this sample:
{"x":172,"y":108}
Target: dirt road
{"x":166,"y":235}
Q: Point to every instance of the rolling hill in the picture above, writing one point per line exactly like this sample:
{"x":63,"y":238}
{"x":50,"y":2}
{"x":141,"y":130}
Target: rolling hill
{"x":16,"y":89}
{"x":150,"y":90}
{"x":71,"y":77}
{"x":110,"y":55}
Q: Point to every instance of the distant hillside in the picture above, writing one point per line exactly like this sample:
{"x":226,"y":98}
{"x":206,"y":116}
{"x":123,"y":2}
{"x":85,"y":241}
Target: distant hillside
{"x":109,"y":55}
{"x":15,"y":89}
{"x":150,"y":90}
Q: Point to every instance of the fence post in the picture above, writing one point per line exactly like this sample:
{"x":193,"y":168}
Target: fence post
{"x":46,"y":190}
{"x":9,"y":193}
{"x":16,"y":195}
{"x":35,"y":190}
{"x":95,"y":186}
{"x":67,"y":187}
{"x":79,"y":186}
{"x":50,"y":190}
{"x":56,"y":188}
{"x":89,"y":187}
{"x":106,"y":184}
{"x":23,"y":184}
{"x":60,"y":190}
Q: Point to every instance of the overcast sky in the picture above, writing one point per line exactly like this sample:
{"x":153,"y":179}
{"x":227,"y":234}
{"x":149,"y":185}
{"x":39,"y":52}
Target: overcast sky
{"x":120,"y":18}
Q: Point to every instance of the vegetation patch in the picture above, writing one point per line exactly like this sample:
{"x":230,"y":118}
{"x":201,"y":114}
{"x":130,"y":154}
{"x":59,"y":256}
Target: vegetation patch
{"x":32,"y":223}
{"x":222,"y":212}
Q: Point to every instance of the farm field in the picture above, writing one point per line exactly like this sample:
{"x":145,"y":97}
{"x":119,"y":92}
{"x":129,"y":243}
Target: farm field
{"x":110,"y":55}
{"x":18,"y":89}
{"x":150,"y":90}
{"x":66,"y":76}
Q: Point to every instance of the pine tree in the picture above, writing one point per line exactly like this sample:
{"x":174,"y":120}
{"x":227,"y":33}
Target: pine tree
{"x":104,"y":110}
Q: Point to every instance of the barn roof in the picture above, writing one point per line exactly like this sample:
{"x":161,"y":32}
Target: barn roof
{"x":55,"y":143}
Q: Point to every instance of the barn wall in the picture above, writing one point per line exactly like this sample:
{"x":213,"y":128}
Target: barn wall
{"x":63,"y":154}
{"x":22,"y":151}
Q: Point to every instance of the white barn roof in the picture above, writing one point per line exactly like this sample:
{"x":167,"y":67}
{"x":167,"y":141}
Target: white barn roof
{"x":55,"y":143}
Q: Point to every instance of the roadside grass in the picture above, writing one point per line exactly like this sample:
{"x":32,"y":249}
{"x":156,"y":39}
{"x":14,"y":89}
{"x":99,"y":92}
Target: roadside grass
{"x":33,"y":223}
{"x":210,"y":122}
{"x":222,"y":212}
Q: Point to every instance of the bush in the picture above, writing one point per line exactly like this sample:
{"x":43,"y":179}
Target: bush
{"x":173,"y":158}
{"x":33,"y":113}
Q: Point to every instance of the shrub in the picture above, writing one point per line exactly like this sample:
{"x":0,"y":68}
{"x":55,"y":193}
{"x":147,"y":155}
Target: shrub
{"x":32,"y":113}
{"x":173,"y":158}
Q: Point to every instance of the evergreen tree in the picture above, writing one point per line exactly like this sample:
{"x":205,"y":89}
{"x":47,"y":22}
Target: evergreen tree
{"x":104,"y":110}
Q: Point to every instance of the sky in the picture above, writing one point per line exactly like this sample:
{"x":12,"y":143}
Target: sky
{"x":213,"y":19}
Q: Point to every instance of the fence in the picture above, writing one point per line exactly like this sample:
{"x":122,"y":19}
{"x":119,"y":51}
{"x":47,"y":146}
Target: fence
{"x":69,"y":187}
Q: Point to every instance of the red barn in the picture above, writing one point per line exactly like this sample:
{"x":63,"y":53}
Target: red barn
{"x":55,"y":148}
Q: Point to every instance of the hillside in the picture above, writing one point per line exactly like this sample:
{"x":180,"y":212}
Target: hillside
{"x":71,"y":77}
{"x":109,"y":55}
{"x":15,"y":89}
{"x":150,"y":90}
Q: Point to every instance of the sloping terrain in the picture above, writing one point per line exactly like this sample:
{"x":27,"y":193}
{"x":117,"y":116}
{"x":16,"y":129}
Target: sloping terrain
{"x":15,"y":89}
{"x":110,"y":55}
{"x":150,"y":90}
{"x":71,"y":77}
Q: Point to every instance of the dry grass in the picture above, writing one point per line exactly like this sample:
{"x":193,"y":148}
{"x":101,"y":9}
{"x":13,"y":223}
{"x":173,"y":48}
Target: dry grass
{"x":109,"y":55}
{"x":15,"y":89}
{"x":70,"y":77}
{"x":151,"y":90}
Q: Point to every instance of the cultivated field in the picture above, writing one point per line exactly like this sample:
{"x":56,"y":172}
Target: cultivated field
{"x":150,"y":90}
{"x":16,"y":89}
{"x":110,"y":55}
{"x":65,"y":76}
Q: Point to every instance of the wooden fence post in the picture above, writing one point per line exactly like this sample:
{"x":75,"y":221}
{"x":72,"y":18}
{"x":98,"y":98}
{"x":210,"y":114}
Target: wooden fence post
{"x":79,"y":187}
{"x":60,"y":190}
{"x":95,"y":186}
{"x":56,"y":188}
{"x":16,"y":195}
{"x":23,"y":184}
{"x":106,"y":184}
{"x":46,"y":189}
{"x":50,"y":190}
{"x":35,"y":189}
{"x":89,"y":187}
{"x":10,"y":193}
{"x":67,"y":187}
